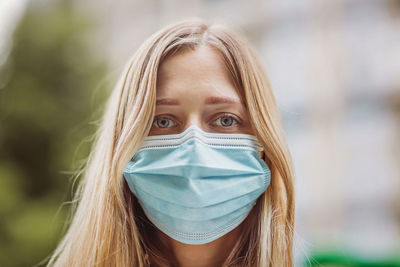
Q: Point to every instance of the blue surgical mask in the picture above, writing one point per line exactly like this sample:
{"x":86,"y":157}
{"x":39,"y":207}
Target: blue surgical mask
{"x":197,"y":186}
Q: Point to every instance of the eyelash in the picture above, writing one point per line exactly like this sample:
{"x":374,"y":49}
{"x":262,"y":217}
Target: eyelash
{"x":236,"y":120}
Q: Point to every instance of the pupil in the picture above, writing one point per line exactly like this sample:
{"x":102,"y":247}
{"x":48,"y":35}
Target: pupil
{"x":227,"y":121}
{"x":162,"y":123}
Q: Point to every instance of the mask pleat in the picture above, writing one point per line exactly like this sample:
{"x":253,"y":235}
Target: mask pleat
{"x":204,"y":213}
{"x":190,"y":227}
{"x":199,"y":193}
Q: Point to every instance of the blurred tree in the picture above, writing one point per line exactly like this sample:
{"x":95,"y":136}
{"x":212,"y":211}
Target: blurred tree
{"x":53,"y":87}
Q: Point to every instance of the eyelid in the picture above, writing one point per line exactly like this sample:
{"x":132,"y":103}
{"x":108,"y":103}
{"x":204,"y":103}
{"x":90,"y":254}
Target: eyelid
{"x":171,"y":117}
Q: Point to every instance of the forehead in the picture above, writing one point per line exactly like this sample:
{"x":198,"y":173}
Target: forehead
{"x":202,"y":70}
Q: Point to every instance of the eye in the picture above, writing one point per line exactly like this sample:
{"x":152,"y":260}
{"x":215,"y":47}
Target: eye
{"x":226,"y":121}
{"x":163,"y":122}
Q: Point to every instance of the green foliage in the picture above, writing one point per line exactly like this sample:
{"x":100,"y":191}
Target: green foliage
{"x":53,"y":87}
{"x":345,"y":257}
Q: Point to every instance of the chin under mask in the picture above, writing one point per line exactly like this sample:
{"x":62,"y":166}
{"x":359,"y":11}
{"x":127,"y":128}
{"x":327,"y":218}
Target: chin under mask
{"x":197,"y":186}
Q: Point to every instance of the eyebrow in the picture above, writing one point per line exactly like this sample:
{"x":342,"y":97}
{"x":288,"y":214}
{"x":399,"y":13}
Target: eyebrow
{"x":167,"y":102}
{"x":211,"y":100}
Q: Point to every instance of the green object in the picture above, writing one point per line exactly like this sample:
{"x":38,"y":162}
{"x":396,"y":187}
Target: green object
{"x":340,"y":258}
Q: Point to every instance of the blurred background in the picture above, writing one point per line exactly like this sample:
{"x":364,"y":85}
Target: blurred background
{"x":335,"y":70}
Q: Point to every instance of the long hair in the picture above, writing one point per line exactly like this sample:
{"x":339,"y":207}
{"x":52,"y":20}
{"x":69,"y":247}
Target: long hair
{"x":108,"y":227}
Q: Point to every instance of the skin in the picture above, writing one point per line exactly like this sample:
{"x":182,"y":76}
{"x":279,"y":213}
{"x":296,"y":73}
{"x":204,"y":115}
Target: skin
{"x":194,"y":87}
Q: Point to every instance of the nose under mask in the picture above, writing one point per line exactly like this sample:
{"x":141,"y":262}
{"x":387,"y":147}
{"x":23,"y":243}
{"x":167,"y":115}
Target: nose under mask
{"x":197,"y":186}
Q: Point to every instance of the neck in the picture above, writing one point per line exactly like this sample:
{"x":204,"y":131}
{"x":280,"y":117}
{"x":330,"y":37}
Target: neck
{"x":212,"y":254}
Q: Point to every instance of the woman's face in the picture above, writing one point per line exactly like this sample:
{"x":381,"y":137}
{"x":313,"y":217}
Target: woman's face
{"x":195,"y":88}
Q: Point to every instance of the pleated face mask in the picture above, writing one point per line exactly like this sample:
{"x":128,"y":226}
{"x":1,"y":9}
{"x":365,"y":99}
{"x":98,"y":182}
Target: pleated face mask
{"x":197,"y":186}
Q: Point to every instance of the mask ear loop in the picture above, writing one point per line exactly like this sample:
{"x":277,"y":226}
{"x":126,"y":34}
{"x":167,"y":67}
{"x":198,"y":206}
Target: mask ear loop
{"x":263,"y":155}
{"x":263,"y":158}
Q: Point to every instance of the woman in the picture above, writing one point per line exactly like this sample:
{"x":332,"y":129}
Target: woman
{"x":190,"y":166}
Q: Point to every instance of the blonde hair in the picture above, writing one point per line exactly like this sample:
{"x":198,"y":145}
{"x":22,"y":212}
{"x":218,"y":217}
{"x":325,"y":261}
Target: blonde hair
{"x":108,"y":227}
